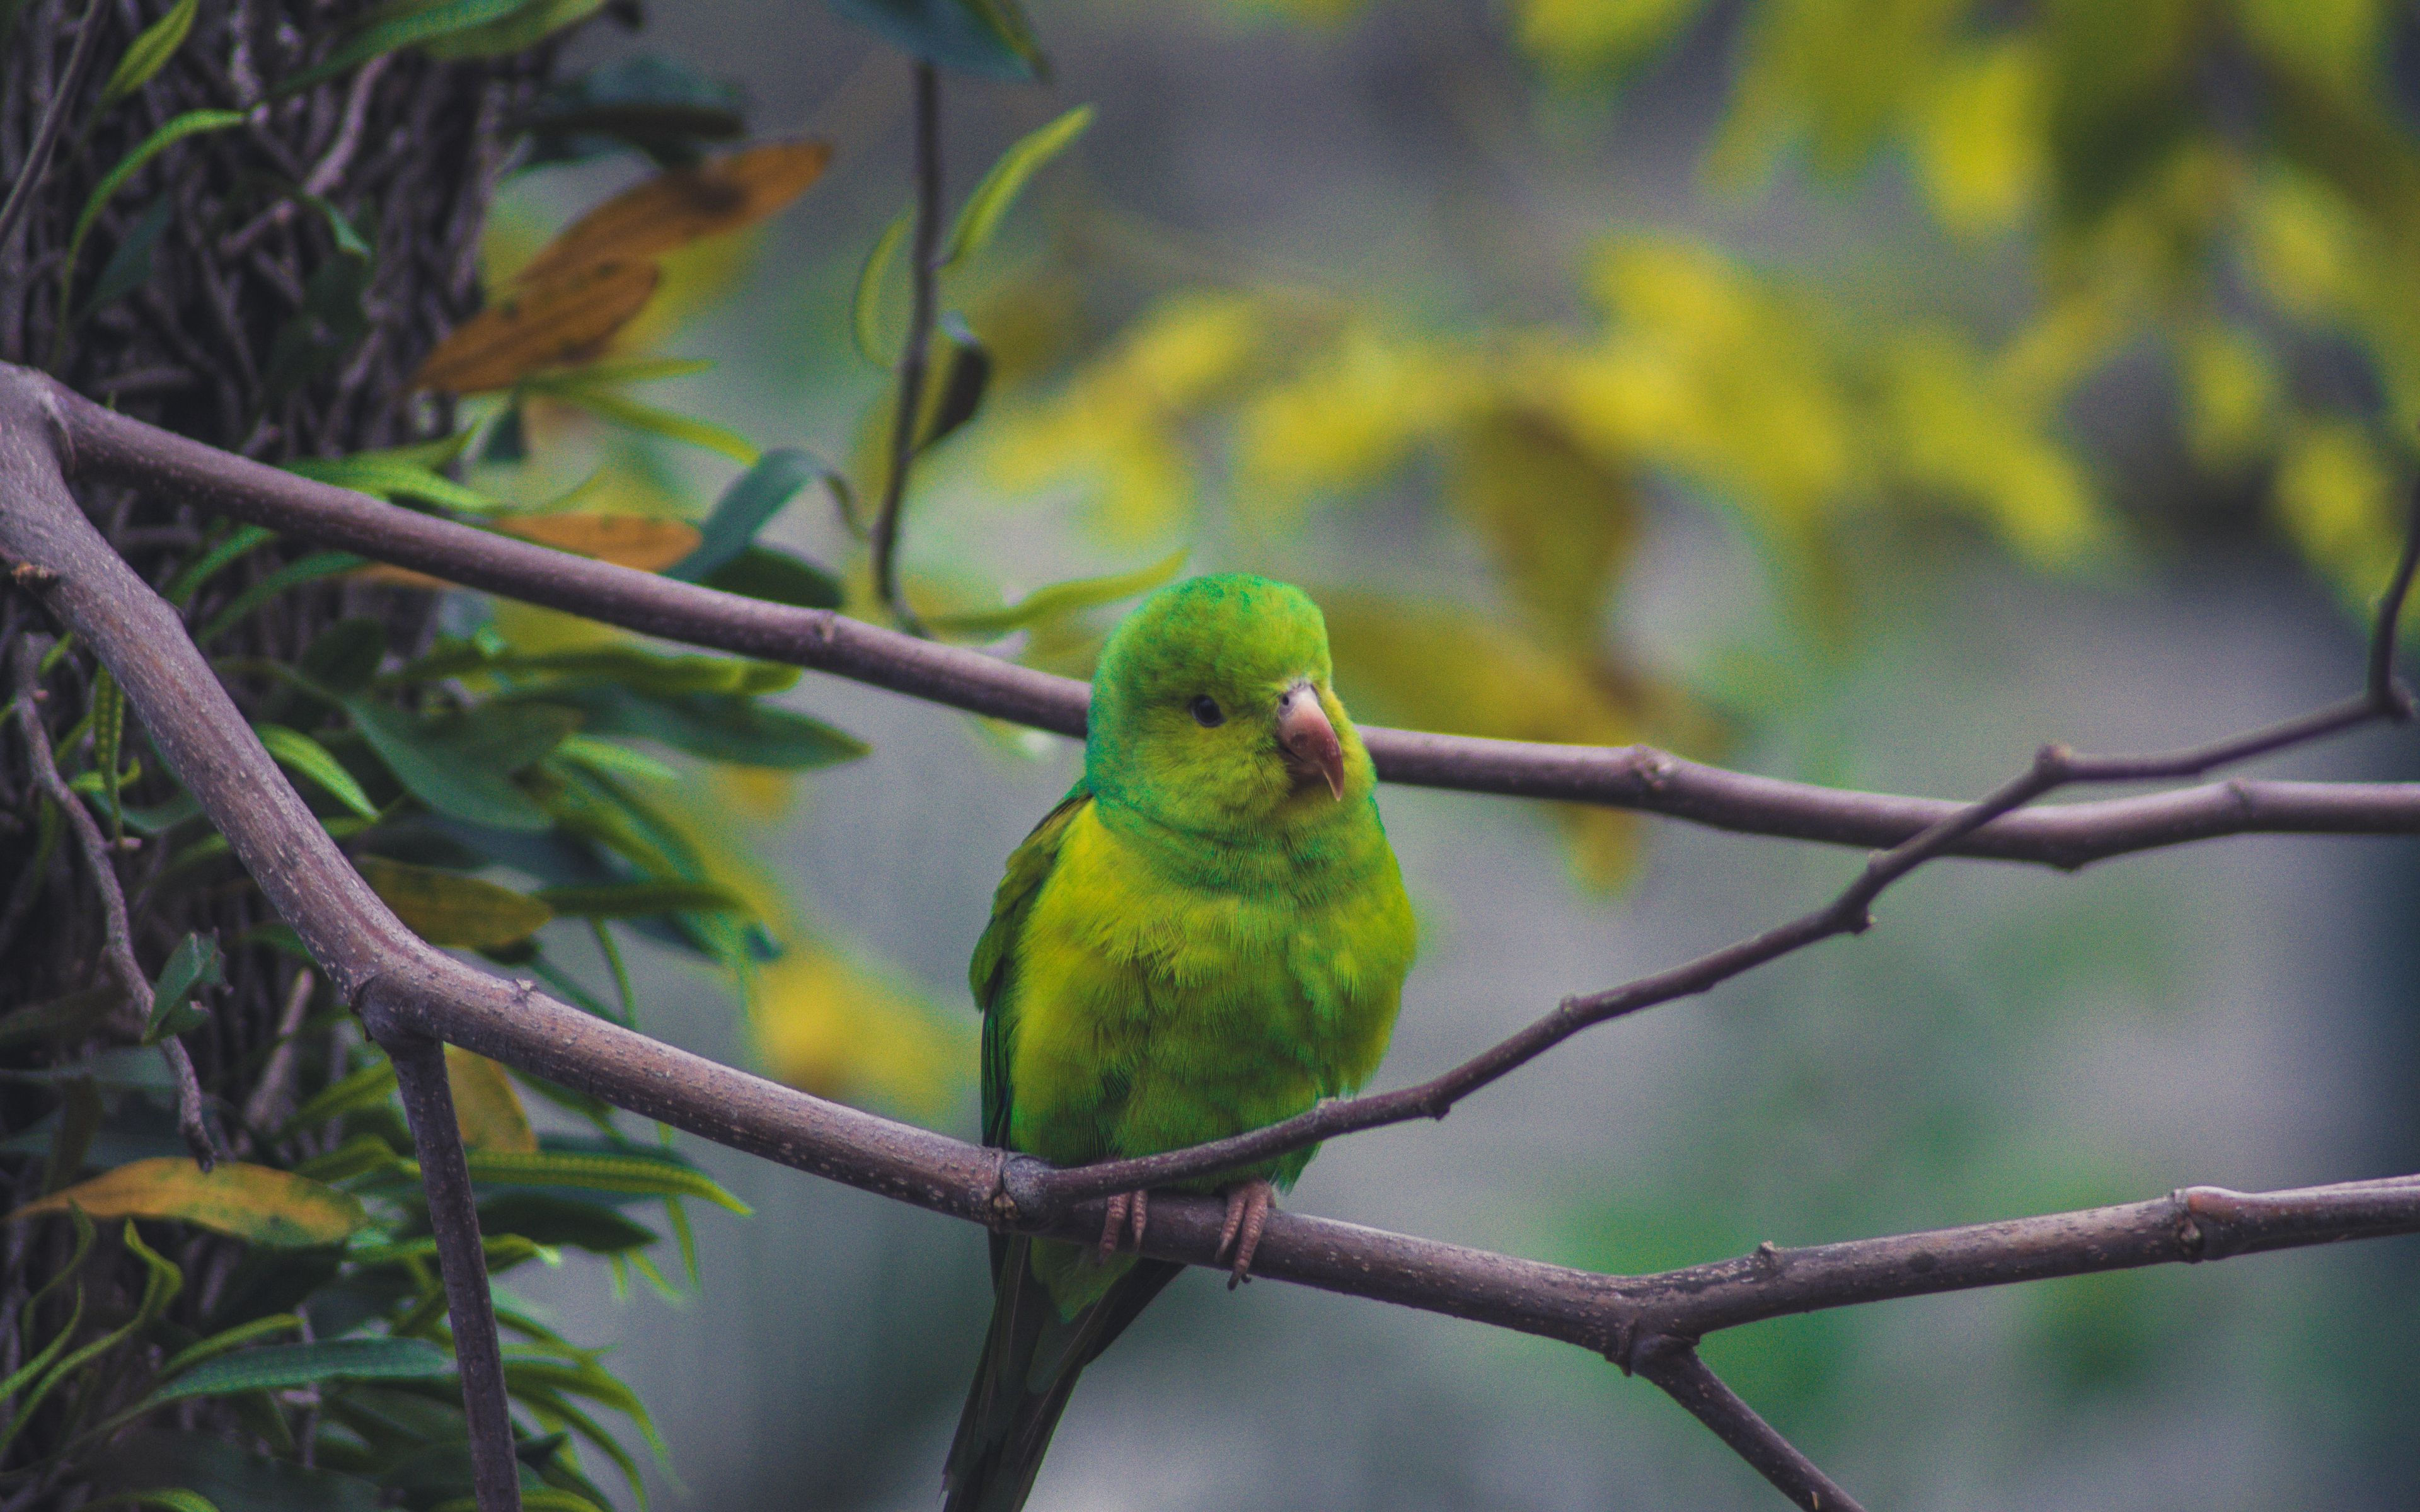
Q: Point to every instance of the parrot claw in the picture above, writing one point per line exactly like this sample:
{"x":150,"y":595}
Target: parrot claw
{"x":1128,"y":1211}
{"x":1248,"y":1214}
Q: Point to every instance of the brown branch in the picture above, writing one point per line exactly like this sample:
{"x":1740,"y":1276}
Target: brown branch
{"x":117,"y":939}
{"x":915,"y":354}
{"x":454,"y":1220}
{"x":114,"y":448}
{"x":408,"y":994}
{"x":1673,"y":1364}
{"x":55,"y":121}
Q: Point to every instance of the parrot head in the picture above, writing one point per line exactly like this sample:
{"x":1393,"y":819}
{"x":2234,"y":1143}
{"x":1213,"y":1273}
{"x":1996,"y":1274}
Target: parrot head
{"x":1212,"y":710}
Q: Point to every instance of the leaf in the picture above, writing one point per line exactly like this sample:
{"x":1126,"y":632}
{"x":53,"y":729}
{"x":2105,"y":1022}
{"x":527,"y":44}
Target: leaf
{"x":554,"y":1218}
{"x":148,"y":52}
{"x":777,"y":576}
{"x":986,"y":37}
{"x":753,"y":499}
{"x":293,"y":575}
{"x":606,"y":405}
{"x":388,"y":28}
{"x":635,"y":1174}
{"x":997,"y":194}
{"x":447,"y":909}
{"x":539,"y":325}
{"x":301,"y":754}
{"x":280,"y":1366}
{"x":345,"y":657}
{"x":486,"y":1110}
{"x":533,"y":24}
{"x":253,"y":1203}
{"x":383,"y":475}
{"x":965,"y":376}
{"x":240,"y":1482}
{"x":660,"y":106}
{"x":130,"y":263}
{"x":194,"y":575}
{"x":613,"y":759}
{"x":865,"y":311}
{"x":1062,"y":598}
{"x":173,"y":1499}
{"x":636,"y":541}
{"x":439,"y":767}
{"x":680,"y":205}
{"x":194,"y":963}
{"x":723,"y":728}
{"x":367,"y":1087}
{"x":636,"y":900}
{"x":191,"y":123}
{"x":233,"y":1338}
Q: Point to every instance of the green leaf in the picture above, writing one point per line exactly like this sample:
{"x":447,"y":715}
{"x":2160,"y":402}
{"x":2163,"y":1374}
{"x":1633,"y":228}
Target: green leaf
{"x":1062,"y":598}
{"x":191,"y":123}
{"x":965,"y":374}
{"x":205,"y":1463}
{"x":865,"y":311}
{"x":384,"y":477}
{"x":148,"y":52}
{"x":108,"y":746}
{"x":306,"y":757}
{"x":447,"y":909}
{"x":253,"y":1203}
{"x":635,"y":668}
{"x":637,"y":899}
{"x":533,"y":24}
{"x":194,"y":963}
{"x":614,"y":760}
{"x":753,"y":498}
{"x":129,"y":265}
{"x":777,"y":576}
{"x":390,"y":27}
{"x":343,"y":659}
{"x":231,"y":1339}
{"x":293,"y":575}
{"x":190,"y":577}
{"x":367,"y":1087}
{"x":173,"y":1498}
{"x":623,"y":410}
{"x":458,"y":772}
{"x":719,"y":727}
{"x":552,"y":1218}
{"x":635,"y":1175}
{"x":985,"y":37}
{"x":997,"y":194}
{"x":282,"y":1366}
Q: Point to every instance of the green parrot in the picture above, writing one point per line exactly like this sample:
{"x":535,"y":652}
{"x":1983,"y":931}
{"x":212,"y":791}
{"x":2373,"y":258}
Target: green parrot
{"x":1208,"y":934}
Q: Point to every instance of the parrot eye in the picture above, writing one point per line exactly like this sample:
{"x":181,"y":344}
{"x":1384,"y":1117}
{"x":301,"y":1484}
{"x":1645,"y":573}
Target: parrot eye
{"x":1206,"y":713}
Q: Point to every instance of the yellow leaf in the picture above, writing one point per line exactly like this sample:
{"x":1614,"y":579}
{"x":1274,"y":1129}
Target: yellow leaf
{"x":1450,"y":668}
{"x":486,"y":1109}
{"x":447,"y":909}
{"x":542,"y":324}
{"x":625,"y":540}
{"x":1981,"y":138}
{"x":2337,"y":494}
{"x":1347,"y":420}
{"x":684,"y":204}
{"x":2230,"y":389}
{"x":1560,"y":522}
{"x":827,"y":1024}
{"x":253,"y":1203}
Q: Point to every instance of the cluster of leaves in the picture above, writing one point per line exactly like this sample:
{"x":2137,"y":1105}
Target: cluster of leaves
{"x":327,"y":1339}
{"x":523,"y":783}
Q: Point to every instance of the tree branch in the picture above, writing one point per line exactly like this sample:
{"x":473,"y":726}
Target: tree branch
{"x":1673,"y":1364}
{"x":454,"y":1220}
{"x":915,"y":355}
{"x":114,"y":448}
{"x":410,"y":995}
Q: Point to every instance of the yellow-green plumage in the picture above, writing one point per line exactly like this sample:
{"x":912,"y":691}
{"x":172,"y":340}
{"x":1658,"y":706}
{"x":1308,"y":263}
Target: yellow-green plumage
{"x":1196,"y":942}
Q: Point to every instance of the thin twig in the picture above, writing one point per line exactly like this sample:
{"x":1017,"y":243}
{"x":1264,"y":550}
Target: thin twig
{"x":55,"y":121}
{"x":915,"y":355}
{"x":1673,"y":1364}
{"x":116,"y":448}
{"x":117,"y":939}
{"x":265,"y":1109}
{"x":454,"y":1220}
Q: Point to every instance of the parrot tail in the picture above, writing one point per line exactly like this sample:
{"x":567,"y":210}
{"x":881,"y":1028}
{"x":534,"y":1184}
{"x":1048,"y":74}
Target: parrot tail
{"x":1030,"y":1359}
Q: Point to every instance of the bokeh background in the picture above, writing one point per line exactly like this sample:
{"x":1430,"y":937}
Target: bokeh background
{"x":1858,"y":393}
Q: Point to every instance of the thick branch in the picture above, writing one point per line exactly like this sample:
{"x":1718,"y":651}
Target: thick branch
{"x":117,"y":449}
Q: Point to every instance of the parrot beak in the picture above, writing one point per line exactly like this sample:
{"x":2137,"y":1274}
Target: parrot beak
{"x":1308,"y":740}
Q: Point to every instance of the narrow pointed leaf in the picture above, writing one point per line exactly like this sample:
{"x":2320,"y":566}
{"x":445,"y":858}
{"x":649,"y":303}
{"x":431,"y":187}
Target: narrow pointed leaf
{"x":997,"y":194}
{"x":282,"y":1366}
{"x":539,"y":325}
{"x":447,"y":909}
{"x":684,"y":204}
{"x":253,"y":1203}
{"x":301,"y":754}
{"x":148,"y":52}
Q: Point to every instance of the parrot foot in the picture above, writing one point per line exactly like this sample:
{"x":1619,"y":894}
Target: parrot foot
{"x":1248,"y":1214}
{"x":1128,"y":1209}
